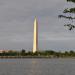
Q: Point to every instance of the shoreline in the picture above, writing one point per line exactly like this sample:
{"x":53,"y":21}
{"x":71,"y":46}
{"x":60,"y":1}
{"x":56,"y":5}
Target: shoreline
{"x":39,"y":57}
{"x":7,"y":57}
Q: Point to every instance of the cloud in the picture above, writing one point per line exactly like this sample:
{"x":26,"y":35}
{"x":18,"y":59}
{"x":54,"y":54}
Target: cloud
{"x":16,"y":24}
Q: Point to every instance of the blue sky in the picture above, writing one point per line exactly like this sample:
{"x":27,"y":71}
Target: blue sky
{"x":16,"y":25}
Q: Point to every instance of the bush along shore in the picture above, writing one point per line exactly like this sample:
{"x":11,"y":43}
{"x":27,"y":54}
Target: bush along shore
{"x":39,"y":54}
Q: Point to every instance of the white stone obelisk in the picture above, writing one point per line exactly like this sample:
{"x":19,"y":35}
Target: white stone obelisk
{"x":35,"y":36}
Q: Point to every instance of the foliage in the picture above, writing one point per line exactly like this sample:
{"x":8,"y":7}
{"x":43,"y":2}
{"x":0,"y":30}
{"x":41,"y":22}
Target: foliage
{"x":48,"y":53}
{"x":71,"y":1}
{"x":71,"y":17}
{"x":23,"y":52}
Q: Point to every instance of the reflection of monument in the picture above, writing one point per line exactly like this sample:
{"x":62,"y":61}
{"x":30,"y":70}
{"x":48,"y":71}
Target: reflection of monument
{"x":35,"y":37}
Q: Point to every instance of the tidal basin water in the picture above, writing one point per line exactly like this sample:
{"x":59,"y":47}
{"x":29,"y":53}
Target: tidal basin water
{"x":37,"y":66}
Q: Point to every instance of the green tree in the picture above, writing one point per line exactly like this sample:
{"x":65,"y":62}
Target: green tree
{"x":23,"y":52}
{"x":72,"y":53}
{"x":69,"y":13}
{"x":66,"y":53}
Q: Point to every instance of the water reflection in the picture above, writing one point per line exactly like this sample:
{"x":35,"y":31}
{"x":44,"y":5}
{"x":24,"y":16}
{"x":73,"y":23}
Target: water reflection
{"x":35,"y":67}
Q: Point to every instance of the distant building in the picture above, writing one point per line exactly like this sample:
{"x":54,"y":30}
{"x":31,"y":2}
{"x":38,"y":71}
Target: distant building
{"x":1,"y":51}
{"x":6,"y":51}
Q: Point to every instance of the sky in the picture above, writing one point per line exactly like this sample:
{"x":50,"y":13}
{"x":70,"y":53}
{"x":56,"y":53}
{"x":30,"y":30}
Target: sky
{"x":16,"y":25}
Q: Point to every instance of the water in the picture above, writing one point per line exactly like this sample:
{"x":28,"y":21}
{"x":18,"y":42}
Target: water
{"x":37,"y":66}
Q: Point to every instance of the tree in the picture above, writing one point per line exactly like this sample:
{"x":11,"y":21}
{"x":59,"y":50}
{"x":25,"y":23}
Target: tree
{"x":72,"y":53}
{"x":71,"y":17}
{"x":23,"y":52}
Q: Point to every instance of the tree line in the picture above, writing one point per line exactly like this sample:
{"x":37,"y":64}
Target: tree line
{"x":46,"y":53}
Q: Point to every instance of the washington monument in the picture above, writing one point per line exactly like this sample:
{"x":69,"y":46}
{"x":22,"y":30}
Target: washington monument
{"x":35,"y":36}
